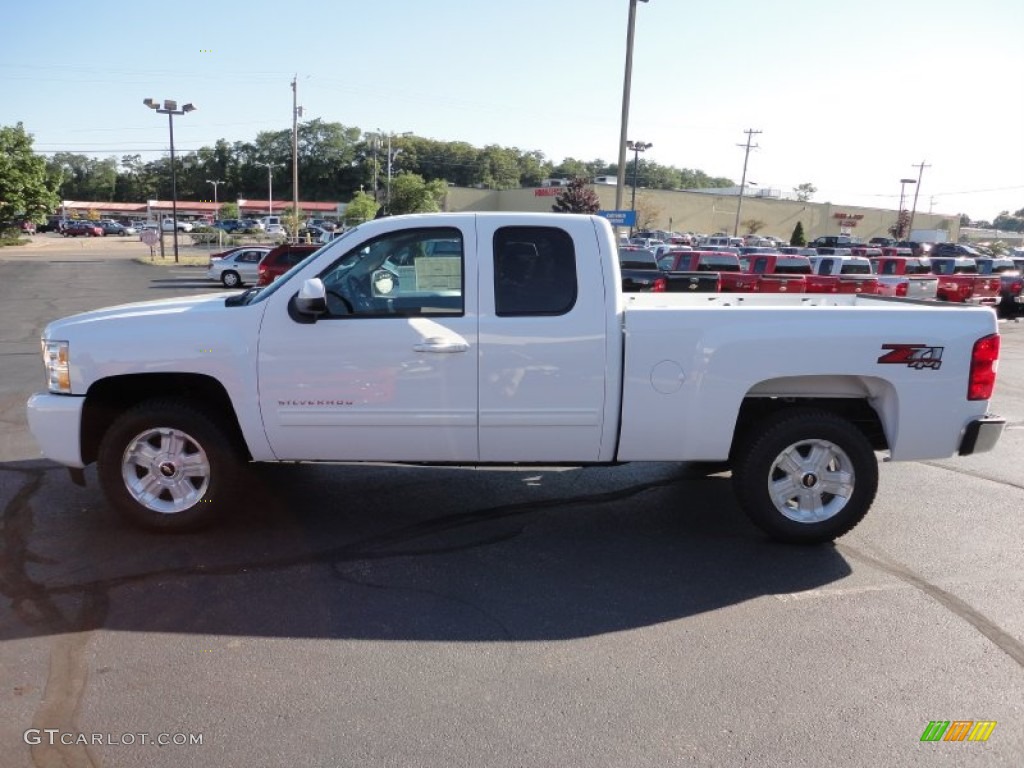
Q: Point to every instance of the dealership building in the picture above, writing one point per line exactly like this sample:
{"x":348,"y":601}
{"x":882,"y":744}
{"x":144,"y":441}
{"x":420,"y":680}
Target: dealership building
{"x":678,"y":210}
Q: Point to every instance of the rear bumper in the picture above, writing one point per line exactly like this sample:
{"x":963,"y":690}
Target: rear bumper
{"x":981,"y":435}
{"x":56,"y":423}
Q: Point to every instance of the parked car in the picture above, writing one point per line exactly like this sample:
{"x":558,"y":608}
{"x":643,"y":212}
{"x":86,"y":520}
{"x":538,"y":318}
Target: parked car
{"x":953,"y":249}
{"x":313,"y":235}
{"x":237,"y":266}
{"x":168,"y":226}
{"x":82,"y":229}
{"x":326,"y":224}
{"x":114,"y":228}
{"x":281,"y":259}
{"x":228,"y":225}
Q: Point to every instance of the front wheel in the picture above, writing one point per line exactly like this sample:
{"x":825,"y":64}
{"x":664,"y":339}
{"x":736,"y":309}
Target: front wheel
{"x":168,"y":466}
{"x":806,"y":476}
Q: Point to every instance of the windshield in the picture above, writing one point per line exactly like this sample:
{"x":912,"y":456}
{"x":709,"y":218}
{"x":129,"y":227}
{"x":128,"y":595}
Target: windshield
{"x":261,"y":294}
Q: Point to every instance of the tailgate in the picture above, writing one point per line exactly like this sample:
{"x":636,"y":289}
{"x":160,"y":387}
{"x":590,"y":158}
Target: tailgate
{"x":696,"y":282}
{"x":987,"y":286}
{"x":922,"y":287}
{"x":782,"y":284}
{"x":858,"y":284}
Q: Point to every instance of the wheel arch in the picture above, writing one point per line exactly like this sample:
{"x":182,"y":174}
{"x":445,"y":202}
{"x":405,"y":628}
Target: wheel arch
{"x":111,"y":396}
{"x":870,"y":403}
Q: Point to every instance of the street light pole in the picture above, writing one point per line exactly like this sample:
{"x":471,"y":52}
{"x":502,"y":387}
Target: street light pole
{"x":630,"y":30}
{"x":216,"y":183}
{"x":270,"y":186}
{"x":170,"y":108}
{"x":391,"y":156}
{"x":636,"y":147}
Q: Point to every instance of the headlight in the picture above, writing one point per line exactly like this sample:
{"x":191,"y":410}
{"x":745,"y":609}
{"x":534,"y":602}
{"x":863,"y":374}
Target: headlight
{"x":55,"y":360}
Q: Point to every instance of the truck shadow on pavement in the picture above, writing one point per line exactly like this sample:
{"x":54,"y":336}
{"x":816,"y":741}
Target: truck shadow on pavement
{"x":378,"y":552}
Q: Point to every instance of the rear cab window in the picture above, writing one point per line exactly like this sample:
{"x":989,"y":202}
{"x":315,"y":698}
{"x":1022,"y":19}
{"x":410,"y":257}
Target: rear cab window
{"x":535,"y":271}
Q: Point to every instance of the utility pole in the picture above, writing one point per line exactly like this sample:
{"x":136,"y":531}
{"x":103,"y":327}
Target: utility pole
{"x":296,"y":114}
{"x":743,"y":181}
{"x":917,"y":190}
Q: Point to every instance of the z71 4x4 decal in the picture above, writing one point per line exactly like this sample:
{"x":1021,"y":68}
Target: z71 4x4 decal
{"x":916,"y":356}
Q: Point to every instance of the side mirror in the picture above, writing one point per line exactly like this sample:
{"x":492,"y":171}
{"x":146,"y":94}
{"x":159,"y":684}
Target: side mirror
{"x":384,"y":281}
{"x":312,"y":298}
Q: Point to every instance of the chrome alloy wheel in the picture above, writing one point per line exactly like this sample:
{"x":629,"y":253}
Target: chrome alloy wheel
{"x":811,"y":481}
{"x":165,"y":470}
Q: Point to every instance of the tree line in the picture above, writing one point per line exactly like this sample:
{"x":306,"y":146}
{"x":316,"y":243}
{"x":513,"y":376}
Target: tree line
{"x":335,"y":162}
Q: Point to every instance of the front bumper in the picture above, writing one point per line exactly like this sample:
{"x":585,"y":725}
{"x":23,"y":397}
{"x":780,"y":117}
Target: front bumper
{"x":981,"y":435}
{"x":55,"y":421}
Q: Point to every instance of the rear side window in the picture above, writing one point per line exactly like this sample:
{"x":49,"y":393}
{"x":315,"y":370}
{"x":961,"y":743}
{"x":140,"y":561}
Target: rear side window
{"x":793,"y":266}
{"x":718,"y":264}
{"x":534,"y":271}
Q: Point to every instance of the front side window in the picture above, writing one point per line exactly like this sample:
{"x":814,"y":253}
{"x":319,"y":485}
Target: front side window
{"x":401,"y":274}
{"x":535,"y":271}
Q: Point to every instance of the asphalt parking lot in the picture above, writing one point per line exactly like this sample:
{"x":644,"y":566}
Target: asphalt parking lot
{"x":381,"y":616}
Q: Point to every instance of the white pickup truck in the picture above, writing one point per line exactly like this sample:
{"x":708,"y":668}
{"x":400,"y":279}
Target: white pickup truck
{"x":499,"y":338}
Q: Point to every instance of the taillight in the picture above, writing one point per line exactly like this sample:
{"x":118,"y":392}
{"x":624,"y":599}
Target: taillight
{"x":659,"y":285}
{"x":1017,"y":286}
{"x":984,"y":359}
{"x":901,"y":289}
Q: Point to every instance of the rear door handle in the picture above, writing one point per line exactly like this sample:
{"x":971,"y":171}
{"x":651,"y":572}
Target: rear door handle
{"x":441,"y":345}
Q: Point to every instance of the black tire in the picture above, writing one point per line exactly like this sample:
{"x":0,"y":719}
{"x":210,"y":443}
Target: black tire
{"x":231,"y":279}
{"x":193,"y":470}
{"x":816,"y":450}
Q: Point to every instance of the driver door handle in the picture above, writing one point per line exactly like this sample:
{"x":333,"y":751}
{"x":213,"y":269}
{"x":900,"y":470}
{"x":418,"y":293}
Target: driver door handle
{"x":438,"y":344}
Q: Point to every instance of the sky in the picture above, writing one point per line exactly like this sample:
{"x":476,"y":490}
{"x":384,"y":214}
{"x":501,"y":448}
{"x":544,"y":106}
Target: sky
{"x":848,"y":96}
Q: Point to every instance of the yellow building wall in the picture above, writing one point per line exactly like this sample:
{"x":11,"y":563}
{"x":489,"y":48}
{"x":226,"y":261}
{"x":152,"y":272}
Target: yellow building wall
{"x":684,"y":211}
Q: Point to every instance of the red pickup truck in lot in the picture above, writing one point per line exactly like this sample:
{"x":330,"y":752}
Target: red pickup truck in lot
{"x":643,"y":273}
{"x":726,"y":265}
{"x":842,"y":274}
{"x":960,"y":281}
{"x":1011,"y":288}
{"x":905,"y":276}
{"x":777,"y":272}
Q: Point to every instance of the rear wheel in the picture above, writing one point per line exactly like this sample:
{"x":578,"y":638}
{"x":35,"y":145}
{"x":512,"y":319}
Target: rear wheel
{"x":231,"y":279}
{"x":806,"y":476}
{"x":168,"y":466}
